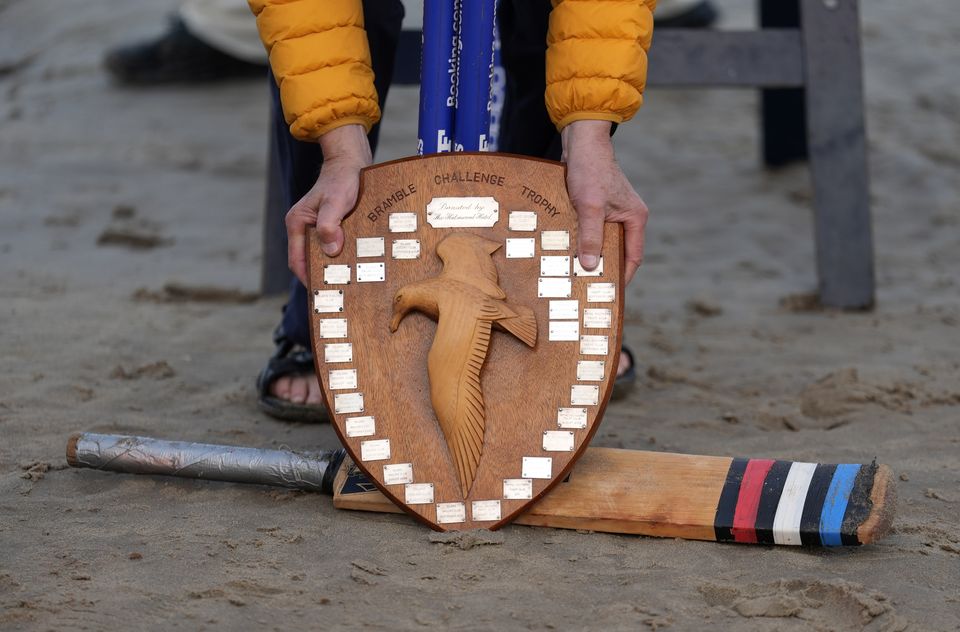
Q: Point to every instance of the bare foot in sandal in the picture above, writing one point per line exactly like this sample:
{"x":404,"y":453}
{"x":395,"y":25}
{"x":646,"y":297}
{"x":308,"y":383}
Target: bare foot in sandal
{"x":299,"y":389}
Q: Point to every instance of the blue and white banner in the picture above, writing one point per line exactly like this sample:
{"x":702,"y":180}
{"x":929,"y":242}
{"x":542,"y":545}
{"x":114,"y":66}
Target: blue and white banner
{"x":438,"y":75}
{"x":475,"y":72}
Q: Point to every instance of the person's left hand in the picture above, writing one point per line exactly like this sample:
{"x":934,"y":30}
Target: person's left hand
{"x":600,"y":193}
{"x":346,"y":152}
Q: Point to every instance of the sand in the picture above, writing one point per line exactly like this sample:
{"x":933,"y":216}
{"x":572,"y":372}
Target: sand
{"x":130,"y":228}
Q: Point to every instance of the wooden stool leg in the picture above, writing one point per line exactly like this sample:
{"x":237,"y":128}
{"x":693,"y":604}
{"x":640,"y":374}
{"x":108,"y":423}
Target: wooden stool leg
{"x":782,"y":110}
{"x":836,"y":138}
{"x":274,"y":274}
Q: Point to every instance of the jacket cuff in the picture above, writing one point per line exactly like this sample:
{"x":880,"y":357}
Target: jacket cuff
{"x":314,"y":134}
{"x":589,"y":116}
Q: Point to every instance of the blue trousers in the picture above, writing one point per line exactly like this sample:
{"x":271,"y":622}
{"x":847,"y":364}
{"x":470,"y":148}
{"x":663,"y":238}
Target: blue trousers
{"x":525,"y":125}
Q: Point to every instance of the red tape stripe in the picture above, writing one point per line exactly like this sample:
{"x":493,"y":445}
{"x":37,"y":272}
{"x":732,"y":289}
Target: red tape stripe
{"x":745,"y":517}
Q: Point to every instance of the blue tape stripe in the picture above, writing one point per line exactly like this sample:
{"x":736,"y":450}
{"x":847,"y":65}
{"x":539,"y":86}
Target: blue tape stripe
{"x":472,"y":116}
{"x":438,"y":76}
{"x":835,"y":505}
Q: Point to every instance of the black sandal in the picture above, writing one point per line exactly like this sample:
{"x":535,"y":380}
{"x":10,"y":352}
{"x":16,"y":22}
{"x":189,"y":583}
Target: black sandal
{"x":625,"y":383}
{"x":288,"y":360}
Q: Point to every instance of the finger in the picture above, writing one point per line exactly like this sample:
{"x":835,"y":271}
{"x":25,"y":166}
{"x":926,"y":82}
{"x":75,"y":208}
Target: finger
{"x":589,"y":235}
{"x":633,"y":240}
{"x":329,"y":231}
{"x":297,"y":244}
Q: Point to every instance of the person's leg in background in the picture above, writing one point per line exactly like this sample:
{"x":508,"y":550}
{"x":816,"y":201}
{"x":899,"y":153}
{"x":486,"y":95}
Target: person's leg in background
{"x":288,"y":388}
{"x":207,"y":40}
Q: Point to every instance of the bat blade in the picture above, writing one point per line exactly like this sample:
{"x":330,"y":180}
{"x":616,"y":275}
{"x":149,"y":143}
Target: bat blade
{"x":699,"y":498}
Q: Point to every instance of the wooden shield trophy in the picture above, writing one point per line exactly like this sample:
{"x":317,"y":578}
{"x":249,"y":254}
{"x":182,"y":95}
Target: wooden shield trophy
{"x":464,"y":353}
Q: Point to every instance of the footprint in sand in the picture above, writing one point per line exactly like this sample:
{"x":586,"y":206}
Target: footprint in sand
{"x":818,"y":604}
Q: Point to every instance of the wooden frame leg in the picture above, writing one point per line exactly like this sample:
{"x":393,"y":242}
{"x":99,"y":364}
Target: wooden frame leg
{"x":836,"y":137}
{"x":782,"y":110}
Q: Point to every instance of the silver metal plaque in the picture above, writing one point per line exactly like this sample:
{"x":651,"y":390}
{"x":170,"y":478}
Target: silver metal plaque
{"x":584,"y":395}
{"x":522,"y":248}
{"x":418,"y":493}
{"x":397,"y":473}
{"x":601,"y":293}
{"x":555,"y":266}
{"x":342,"y":380}
{"x":485,"y":510}
{"x":517,"y":488}
{"x":555,"y":240}
{"x":403,"y":222}
{"x":597,"y":318}
{"x":558,"y":441}
{"x":537,"y":467}
{"x":579,"y":270}
{"x":594,"y":345}
{"x":406,"y":249}
{"x":344,"y":403}
{"x":554,"y":287}
{"x":371,"y":272}
{"x":564,"y":330}
{"x":327,"y":301}
{"x":360,"y":427}
{"x":463,"y":212}
{"x":375,"y":450}
{"x":336,"y":352}
{"x":564,"y":310}
{"x":590,"y":370}
{"x":369,"y":247}
{"x":523,"y":220}
{"x":448,"y":513}
{"x":333,"y":328}
{"x":336,"y":274}
{"x":575,"y":418}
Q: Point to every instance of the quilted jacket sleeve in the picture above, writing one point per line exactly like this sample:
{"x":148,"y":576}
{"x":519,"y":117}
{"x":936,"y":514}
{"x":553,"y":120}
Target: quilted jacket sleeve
{"x":597,"y":59}
{"x":321,"y":60}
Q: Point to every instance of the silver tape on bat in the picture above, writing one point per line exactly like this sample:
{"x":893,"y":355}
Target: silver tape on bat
{"x":143,"y":455}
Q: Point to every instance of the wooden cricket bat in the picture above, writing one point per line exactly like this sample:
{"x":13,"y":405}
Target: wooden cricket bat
{"x":697,"y":497}
{"x":618,"y":491}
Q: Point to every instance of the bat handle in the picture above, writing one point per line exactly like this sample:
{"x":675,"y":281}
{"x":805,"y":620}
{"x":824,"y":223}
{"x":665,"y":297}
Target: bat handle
{"x":313,"y":472}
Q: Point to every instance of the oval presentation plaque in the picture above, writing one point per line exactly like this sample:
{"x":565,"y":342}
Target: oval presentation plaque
{"x":465,"y":354}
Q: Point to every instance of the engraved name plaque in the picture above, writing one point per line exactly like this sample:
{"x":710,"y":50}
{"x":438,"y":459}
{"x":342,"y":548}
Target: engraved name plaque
{"x":451,"y":512}
{"x":517,"y":488}
{"x":485,"y":510}
{"x":360,"y":426}
{"x":463,"y":212}
{"x":399,"y":474}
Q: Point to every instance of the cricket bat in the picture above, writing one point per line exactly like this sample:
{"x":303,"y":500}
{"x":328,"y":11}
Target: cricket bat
{"x":757,"y":501}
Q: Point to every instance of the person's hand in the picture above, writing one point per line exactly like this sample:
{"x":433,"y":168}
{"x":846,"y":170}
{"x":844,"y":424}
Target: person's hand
{"x":345,"y":152}
{"x":601,"y":193}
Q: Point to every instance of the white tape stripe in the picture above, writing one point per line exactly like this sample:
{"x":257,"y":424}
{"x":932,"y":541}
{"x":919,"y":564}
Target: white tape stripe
{"x":786,"y":522}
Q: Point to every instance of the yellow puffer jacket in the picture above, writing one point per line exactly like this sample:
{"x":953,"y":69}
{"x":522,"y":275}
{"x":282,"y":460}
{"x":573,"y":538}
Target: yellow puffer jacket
{"x":596,"y":61}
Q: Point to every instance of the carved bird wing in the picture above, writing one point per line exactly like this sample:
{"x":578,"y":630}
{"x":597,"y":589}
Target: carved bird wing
{"x":454,"y":364}
{"x":520,"y":321}
{"x":466,"y":257}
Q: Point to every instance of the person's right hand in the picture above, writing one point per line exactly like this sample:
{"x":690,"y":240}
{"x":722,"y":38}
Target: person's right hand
{"x":345,"y":152}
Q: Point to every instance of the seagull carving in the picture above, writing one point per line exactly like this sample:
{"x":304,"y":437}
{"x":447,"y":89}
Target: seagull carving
{"x":466,"y":301}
